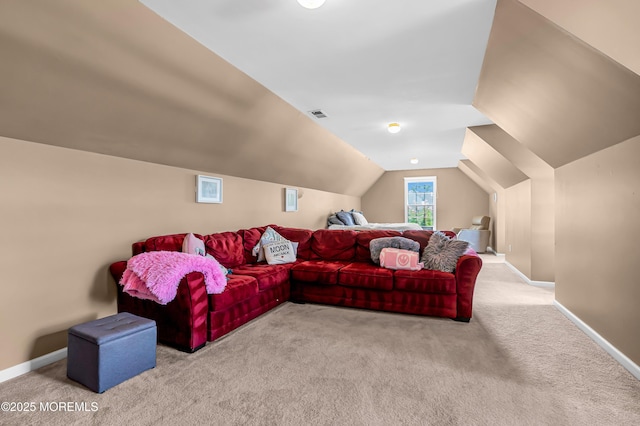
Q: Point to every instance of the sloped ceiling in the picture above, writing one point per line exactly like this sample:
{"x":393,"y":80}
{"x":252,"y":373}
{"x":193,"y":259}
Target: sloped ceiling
{"x":551,"y":91}
{"x":478,"y":176}
{"x":610,"y":26}
{"x":491,"y":161}
{"x":512,"y":150}
{"x":114,"y":78}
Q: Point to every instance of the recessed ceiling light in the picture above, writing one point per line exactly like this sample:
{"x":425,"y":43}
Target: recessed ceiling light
{"x":414,"y":161}
{"x":393,"y":127}
{"x":311,"y":4}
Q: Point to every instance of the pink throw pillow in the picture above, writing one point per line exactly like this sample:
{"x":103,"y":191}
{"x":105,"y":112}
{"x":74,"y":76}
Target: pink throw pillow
{"x":393,"y":258}
{"x":193,"y":245}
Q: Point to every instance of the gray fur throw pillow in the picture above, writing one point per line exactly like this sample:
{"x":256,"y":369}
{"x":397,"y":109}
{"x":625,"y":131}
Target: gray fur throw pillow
{"x":442,"y":253}
{"x":377,"y":244}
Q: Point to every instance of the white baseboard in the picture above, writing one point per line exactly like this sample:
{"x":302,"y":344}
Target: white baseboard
{"x":547,"y":284}
{"x":33,"y":364}
{"x":495,"y":253}
{"x":611,"y":350}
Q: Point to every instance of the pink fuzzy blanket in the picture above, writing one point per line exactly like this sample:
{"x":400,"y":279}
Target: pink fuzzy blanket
{"x":156,"y":275}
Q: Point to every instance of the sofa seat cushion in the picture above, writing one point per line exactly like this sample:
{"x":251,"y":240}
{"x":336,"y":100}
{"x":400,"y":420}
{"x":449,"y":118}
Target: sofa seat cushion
{"x":366,"y":275}
{"x":239,"y":288}
{"x":425,"y":281}
{"x":317,"y":271}
{"x":267,"y":275}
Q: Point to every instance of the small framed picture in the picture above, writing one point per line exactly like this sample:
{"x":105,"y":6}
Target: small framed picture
{"x":209,"y":189}
{"x":290,"y":200}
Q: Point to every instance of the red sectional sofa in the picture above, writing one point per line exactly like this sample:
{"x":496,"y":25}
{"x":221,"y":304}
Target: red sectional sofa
{"x":332,"y":267}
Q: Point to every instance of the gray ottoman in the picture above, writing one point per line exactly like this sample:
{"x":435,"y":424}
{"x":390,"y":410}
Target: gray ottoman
{"x":108,"y":351}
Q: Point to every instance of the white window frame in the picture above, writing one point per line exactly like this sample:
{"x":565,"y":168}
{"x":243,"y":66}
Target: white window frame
{"x":407,"y":181}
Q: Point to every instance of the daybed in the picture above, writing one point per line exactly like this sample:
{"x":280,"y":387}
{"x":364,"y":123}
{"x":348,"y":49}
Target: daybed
{"x":332,"y":267}
{"x":379,"y":226}
{"x":355,"y":220}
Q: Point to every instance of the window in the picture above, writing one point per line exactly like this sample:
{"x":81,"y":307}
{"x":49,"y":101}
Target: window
{"x":420,"y":201}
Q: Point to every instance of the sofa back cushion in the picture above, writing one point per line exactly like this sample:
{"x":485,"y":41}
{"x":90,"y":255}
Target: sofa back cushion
{"x":376,"y":246}
{"x":251,"y":237}
{"x":333,"y":244}
{"x":449,"y":234}
{"x":423,"y":236}
{"x":226,"y":247}
{"x":300,"y":236}
{"x":363,"y":239}
{"x":137,"y":248}
{"x":193,"y":245}
{"x":162,"y":243}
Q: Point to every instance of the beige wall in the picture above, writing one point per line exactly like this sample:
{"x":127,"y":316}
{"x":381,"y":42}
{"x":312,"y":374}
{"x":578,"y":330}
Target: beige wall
{"x":458,"y":199}
{"x":497,"y":203}
{"x":574,"y":107}
{"x":518,"y":226}
{"x":67,"y":214}
{"x":597,"y":256}
{"x":508,"y":162}
{"x":532,"y":85}
{"x":498,"y":213}
{"x":543,"y":228}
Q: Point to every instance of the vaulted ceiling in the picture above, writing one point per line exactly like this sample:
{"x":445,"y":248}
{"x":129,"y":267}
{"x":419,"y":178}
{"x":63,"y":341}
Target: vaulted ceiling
{"x":364,"y":63}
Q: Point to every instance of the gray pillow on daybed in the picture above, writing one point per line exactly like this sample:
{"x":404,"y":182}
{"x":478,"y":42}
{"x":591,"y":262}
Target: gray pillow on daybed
{"x":333,"y":220}
{"x":442,"y":253}
{"x":377,"y":244}
{"x":346,"y":218}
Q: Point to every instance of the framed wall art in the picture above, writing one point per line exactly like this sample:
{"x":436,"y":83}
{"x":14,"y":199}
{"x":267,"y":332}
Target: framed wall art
{"x":290,"y":200}
{"x":208,"y":189}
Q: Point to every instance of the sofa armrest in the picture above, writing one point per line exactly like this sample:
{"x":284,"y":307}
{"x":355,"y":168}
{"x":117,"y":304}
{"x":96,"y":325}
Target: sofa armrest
{"x":117,"y":271}
{"x":467,"y":270}
{"x":182,"y":323}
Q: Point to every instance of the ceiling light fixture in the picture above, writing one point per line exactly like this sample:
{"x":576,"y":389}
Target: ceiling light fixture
{"x":393,"y":127}
{"x":414,"y":161}
{"x":311,"y":4}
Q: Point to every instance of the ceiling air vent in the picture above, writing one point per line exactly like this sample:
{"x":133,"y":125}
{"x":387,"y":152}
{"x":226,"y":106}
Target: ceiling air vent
{"x":318,"y":113}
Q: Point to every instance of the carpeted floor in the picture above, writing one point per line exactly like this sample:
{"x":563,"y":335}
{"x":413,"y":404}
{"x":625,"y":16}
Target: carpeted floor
{"x":518,"y":362}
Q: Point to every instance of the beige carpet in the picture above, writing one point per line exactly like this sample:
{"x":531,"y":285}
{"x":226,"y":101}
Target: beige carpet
{"x":518,"y":362}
